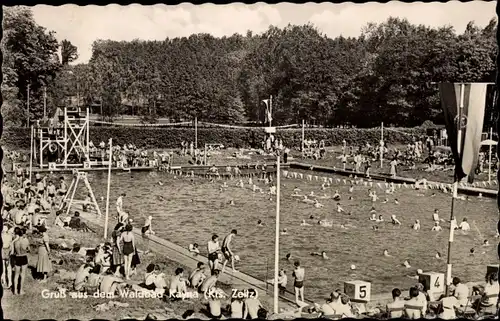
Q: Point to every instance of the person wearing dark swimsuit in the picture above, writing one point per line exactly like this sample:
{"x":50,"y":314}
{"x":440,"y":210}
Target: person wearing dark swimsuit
{"x":21,"y":248}
{"x":128,"y":248}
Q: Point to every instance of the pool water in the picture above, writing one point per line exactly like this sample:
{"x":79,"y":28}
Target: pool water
{"x":189,"y":210}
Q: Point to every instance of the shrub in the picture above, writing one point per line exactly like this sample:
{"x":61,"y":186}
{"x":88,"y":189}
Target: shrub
{"x":240,"y":138}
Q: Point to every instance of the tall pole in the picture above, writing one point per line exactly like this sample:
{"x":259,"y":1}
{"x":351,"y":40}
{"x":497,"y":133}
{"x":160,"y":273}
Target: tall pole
{"x":277,"y":241}
{"x":31,"y":152}
{"x":65,"y":137}
{"x":87,"y":130}
{"x":28,"y":107}
{"x":303,"y":137}
{"x":489,"y":157}
{"x":44,"y":102}
{"x":270,"y":109}
{"x":455,"y":192}
{"x":196,"y":132}
{"x":109,"y":188}
{"x":381,"y":145}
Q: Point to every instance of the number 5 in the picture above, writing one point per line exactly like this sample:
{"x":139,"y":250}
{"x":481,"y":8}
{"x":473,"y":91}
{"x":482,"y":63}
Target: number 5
{"x":362,"y":292}
{"x":437,"y":284}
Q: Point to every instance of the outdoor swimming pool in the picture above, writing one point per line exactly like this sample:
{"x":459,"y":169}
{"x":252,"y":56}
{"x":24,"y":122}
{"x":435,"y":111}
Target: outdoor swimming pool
{"x":188,"y":211}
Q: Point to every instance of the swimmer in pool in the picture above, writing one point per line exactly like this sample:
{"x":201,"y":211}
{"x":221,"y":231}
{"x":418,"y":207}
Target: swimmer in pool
{"x":307,"y":200}
{"x":312,"y":194}
{"x":396,"y":201}
{"x":340,"y":209}
{"x":437,"y":227}
{"x":416,"y":225}
{"x":406,"y":264}
{"x":304,"y":223}
{"x":380,"y":218}
{"x":255,"y":188}
{"x":259,"y":223}
{"x":296,"y":189}
{"x":374,"y":196}
{"x":435,"y":215}
{"x":336,"y":195}
{"x":351,"y":198}
{"x":486,"y":243}
{"x":325,"y":223}
{"x":296,"y":194}
{"x":375,"y":228}
{"x":351,"y":189}
{"x":373,"y":216}
{"x":317,"y":204}
{"x":386,"y":253}
{"x":322,"y":254}
{"x":395,"y":221}
{"x":241,"y":184}
{"x":311,"y":217}
{"x":284,"y":232}
{"x":438,"y":255}
{"x":288,"y":256}
{"x":323,"y":187}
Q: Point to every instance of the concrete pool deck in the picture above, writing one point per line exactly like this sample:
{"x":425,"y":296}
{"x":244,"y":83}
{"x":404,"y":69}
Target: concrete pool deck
{"x":387,"y":178}
{"x":184,"y":257}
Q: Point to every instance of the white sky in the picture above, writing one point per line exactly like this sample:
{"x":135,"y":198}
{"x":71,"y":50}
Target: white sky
{"x":83,"y":24}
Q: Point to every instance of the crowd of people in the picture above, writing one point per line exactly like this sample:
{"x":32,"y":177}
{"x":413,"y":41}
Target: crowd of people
{"x":110,"y":265}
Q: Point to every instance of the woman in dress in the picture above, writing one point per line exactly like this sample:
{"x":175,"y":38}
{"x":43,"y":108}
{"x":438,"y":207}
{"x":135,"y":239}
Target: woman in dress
{"x":117,"y":254}
{"x":43,"y":265}
{"x":128,"y":248}
{"x":394,"y":162}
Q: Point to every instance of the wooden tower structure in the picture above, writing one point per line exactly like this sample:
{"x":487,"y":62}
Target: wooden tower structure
{"x":62,"y":141}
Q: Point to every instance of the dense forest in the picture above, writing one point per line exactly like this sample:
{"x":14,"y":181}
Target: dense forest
{"x":387,"y":74}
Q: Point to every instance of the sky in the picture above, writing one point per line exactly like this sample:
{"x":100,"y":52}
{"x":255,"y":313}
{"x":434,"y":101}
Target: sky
{"x":82,"y":25}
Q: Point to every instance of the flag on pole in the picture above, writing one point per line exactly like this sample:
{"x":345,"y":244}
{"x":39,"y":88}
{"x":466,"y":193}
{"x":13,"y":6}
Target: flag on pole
{"x":268,"y":111}
{"x":467,"y":115}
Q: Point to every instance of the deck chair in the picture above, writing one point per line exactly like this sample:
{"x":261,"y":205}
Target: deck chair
{"x":414,"y":309}
{"x":395,"y":310}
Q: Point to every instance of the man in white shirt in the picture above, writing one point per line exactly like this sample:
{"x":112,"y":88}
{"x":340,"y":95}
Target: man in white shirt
{"x":464,"y":226}
{"x":461,"y":292}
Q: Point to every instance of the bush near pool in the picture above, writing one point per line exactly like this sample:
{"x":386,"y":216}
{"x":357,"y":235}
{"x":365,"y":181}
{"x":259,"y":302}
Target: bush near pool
{"x":144,"y":137}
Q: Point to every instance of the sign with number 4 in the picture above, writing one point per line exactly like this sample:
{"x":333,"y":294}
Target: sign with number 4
{"x":432,"y":281}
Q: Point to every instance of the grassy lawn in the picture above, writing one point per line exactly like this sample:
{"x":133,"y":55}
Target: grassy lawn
{"x":20,"y":307}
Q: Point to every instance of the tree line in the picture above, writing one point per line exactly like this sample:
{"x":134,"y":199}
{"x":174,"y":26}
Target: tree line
{"x":387,"y":74}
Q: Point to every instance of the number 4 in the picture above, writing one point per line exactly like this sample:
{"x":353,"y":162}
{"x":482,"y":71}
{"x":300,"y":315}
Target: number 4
{"x":437,"y":284}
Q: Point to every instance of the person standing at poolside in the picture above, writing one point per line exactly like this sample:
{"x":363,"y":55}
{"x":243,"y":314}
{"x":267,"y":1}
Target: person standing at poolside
{"x":128,"y":249}
{"x":43,"y":265}
{"x":393,"y":163}
{"x":119,"y":203}
{"x":213,"y":248}
{"x":6,"y":256}
{"x":21,"y":248}
{"x":226,"y":250}
{"x":117,"y":254}
{"x":299,"y":274}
